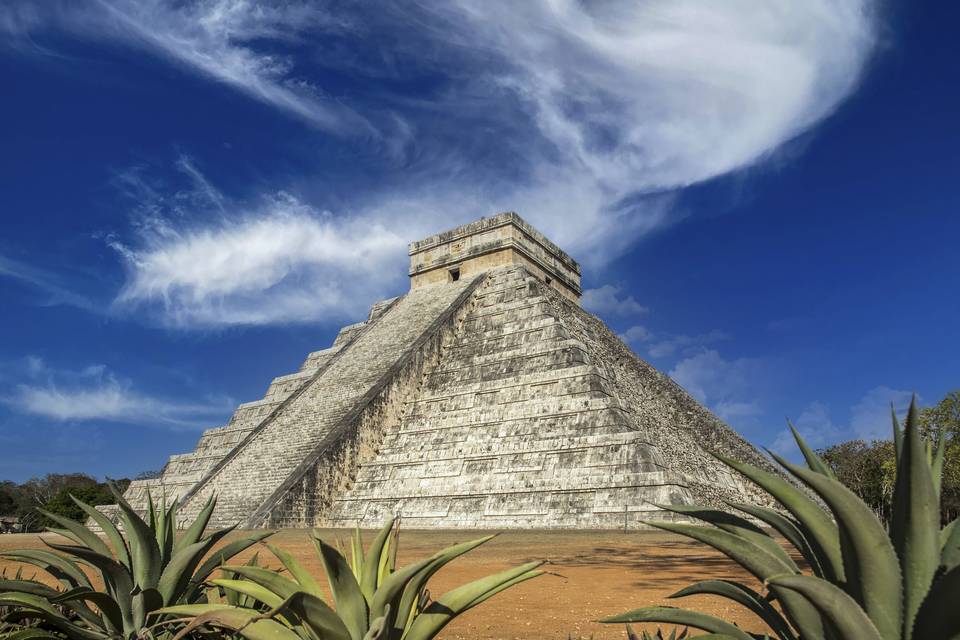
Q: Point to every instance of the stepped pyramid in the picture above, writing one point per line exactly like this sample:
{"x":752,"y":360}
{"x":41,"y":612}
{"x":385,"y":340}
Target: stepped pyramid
{"x":483,"y":397}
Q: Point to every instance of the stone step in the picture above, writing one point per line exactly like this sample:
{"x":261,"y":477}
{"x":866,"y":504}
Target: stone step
{"x":549,"y":359}
{"x":490,"y":411}
{"x":518,"y":338}
{"x":616,"y":445}
{"x":545,"y":425}
{"x":267,"y":458}
{"x":512,"y":482}
{"x":578,"y":372}
{"x":317,"y":359}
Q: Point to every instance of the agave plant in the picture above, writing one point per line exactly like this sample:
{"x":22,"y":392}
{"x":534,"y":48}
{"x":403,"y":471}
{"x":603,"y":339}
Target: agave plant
{"x":863,"y":582}
{"x":372,"y":598}
{"x":658,"y":635}
{"x":142,"y":569}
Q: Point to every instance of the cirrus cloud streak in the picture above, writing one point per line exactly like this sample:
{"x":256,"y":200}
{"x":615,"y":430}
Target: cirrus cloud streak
{"x":587,"y":118}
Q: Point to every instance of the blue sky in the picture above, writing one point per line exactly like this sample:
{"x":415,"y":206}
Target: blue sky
{"x":763,"y":194}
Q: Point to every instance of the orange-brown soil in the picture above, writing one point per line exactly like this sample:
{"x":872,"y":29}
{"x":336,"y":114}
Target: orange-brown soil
{"x":592,"y":574}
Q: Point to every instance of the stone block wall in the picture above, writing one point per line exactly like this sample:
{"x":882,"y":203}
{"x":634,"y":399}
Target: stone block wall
{"x":490,"y":243}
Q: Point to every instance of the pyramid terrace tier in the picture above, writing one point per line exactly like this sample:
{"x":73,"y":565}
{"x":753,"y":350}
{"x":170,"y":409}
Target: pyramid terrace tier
{"x":492,"y":401}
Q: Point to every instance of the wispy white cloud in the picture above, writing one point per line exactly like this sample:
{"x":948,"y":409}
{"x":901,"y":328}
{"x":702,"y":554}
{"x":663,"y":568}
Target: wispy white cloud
{"x":601,"y":113}
{"x":734,"y":411}
{"x":277,"y":260}
{"x":815,"y":426}
{"x":869,"y":419}
{"x":224,"y":40}
{"x":636,"y":334}
{"x":712,"y":379}
{"x":55,"y":291}
{"x":282,"y":262}
{"x":96,"y":394}
{"x":670,"y":345}
{"x":732,"y":388}
{"x":607,"y":300}
{"x":639,"y":98}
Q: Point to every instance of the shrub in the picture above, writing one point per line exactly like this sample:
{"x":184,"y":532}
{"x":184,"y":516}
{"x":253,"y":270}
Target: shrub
{"x":864,"y":582}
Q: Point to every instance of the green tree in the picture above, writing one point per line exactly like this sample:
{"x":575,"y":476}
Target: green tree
{"x":52,"y":492}
{"x":9,"y":498}
{"x":867,"y":469}
{"x":943,"y":421}
{"x":62,"y":505}
{"x":945,"y":417}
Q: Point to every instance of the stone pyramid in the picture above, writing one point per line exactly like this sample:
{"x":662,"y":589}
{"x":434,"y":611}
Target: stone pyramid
{"x":483,"y":397}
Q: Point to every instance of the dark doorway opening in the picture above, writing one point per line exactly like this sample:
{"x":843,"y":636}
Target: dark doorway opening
{"x":454,"y":274}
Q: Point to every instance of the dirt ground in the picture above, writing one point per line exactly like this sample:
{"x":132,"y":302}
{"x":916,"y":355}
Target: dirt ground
{"x":592,"y":574}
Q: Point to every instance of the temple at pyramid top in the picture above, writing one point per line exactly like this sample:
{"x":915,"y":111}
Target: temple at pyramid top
{"x":488,"y":243}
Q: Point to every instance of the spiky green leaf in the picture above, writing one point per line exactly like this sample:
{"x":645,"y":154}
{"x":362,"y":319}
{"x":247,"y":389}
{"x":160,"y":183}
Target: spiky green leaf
{"x":25,"y":606}
{"x":950,"y":546}
{"x":61,"y":568}
{"x":786,"y":527}
{"x":251,"y":589}
{"x":78,"y":533}
{"x":451,"y":604}
{"x":349,"y":601}
{"x":300,"y":574}
{"x":835,"y":604}
{"x":280,"y":585}
{"x":223,"y":554}
{"x":108,"y":606}
{"x":745,"y":597}
{"x":402,"y":589}
{"x":120,"y":551}
{"x":869,"y":560}
{"x":915,"y":520}
{"x":897,"y":433}
{"x":814,"y":461}
{"x":736,"y":525}
{"x":144,"y":552}
{"x":315,"y":614}
{"x":672,"y":615}
{"x":373,"y":561}
{"x":748,"y":555}
{"x":817,"y":526}
{"x":252,"y":625}
{"x":939,"y":615}
{"x":179,"y":571}
{"x":195,"y":531}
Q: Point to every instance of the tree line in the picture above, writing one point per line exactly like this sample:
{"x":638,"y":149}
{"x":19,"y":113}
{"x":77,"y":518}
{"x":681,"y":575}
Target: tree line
{"x":52,"y":492}
{"x":869,"y":468}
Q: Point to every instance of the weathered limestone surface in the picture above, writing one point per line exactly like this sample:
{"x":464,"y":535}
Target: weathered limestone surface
{"x":484,"y":397}
{"x":539,"y":416}
{"x":250,"y":474}
{"x":489,"y":243}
